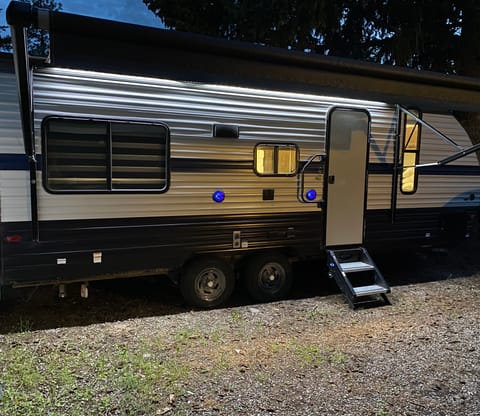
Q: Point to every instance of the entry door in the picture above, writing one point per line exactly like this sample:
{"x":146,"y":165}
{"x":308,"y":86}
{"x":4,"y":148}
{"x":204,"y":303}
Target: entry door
{"x":348,"y":131}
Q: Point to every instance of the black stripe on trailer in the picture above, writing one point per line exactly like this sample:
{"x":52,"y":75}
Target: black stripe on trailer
{"x":18,"y":161}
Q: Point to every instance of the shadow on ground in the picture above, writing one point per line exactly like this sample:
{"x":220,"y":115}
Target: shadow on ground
{"x":40,"y":308}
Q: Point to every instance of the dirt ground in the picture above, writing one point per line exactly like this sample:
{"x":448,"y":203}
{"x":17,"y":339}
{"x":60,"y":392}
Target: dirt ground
{"x":308,"y":355}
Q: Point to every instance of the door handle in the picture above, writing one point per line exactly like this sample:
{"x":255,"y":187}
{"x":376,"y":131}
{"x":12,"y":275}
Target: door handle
{"x":331,"y":179}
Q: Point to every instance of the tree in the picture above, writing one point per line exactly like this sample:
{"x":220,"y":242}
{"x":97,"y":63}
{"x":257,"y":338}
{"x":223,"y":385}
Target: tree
{"x":38,"y":39}
{"x":468,"y":60}
{"x":282,"y":23}
{"x":423,"y":34}
{"x":438,"y":35}
{"x":5,"y":40}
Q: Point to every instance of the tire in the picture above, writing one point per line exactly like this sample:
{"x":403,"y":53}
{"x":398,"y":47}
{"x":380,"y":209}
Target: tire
{"x":268,"y":277}
{"x":207,"y":282}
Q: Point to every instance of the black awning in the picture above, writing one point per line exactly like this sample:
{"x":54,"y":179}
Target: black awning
{"x":6,"y":62}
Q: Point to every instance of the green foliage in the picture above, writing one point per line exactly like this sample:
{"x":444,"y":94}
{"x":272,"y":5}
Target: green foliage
{"x":63,"y":380}
{"x":293,"y":24}
{"x":309,"y":355}
{"x":24,"y":324}
{"x":5,"y":40}
{"x":438,"y":35}
{"x":38,"y":39}
{"x":236,"y":317}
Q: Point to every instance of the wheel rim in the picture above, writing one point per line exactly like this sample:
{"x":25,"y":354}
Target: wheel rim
{"x":210,"y":284}
{"x":272,"y":277}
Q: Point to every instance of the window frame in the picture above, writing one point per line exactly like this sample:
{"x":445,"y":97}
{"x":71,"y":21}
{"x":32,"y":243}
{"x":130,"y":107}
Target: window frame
{"x":110,"y":189}
{"x":416,"y":151}
{"x":276,"y":146}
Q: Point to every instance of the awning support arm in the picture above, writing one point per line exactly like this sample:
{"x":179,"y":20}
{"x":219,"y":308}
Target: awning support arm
{"x":462,"y":152}
{"x":430,"y":127}
{"x":451,"y":158}
{"x":396,"y":156}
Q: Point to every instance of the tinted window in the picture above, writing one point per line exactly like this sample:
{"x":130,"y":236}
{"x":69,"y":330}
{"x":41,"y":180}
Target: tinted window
{"x":83,"y":155}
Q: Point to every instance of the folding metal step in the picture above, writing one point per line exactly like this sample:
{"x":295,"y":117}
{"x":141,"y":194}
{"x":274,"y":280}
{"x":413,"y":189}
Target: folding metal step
{"x":356,"y":266}
{"x":357,"y":276}
{"x":370,"y":290}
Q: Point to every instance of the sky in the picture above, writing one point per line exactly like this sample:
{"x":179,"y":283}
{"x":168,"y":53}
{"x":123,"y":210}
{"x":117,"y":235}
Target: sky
{"x":131,"y":11}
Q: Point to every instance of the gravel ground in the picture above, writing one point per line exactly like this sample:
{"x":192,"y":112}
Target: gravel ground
{"x":302,"y":356}
{"x":418,"y":357}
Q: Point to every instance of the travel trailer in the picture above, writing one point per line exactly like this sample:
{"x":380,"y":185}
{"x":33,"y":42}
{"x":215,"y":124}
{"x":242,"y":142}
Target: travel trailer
{"x":135,"y":151}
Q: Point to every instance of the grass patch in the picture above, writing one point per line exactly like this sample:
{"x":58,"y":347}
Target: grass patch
{"x":24,"y":325}
{"x":236,"y":317}
{"x":309,"y":355}
{"x":112,"y":375}
{"x":117,"y":380}
{"x":314,"y":356}
{"x":185,"y":337}
{"x":315,"y":313}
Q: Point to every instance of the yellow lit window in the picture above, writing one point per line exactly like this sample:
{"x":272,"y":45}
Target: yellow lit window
{"x":276,"y":159}
{"x":265,"y":157}
{"x":408,"y":174}
{"x":411,"y":151}
{"x":287,"y":160}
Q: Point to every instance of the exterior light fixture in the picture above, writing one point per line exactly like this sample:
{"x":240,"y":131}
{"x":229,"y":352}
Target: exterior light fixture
{"x":218,"y":196}
{"x":311,"y":194}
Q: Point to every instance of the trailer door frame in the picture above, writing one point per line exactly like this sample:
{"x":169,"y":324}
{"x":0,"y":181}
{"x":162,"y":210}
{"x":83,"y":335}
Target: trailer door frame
{"x":348,"y":132}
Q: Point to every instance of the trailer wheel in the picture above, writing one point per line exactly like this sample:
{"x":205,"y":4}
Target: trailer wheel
{"x":268,"y":277}
{"x":207,"y":282}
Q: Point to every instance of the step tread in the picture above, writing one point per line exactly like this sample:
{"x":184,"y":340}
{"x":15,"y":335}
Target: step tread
{"x":369,"y":290}
{"x":356,"y":266}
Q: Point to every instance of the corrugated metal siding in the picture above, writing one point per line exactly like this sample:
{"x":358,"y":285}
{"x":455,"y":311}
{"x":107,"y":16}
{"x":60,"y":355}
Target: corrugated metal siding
{"x":15,"y":195}
{"x":190,"y":110}
{"x":383,"y":126}
{"x":14,"y":184}
{"x":433,"y":148}
{"x":11,"y":140}
{"x":443,"y":191}
{"x":433,"y":191}
{"x":190,"y":194}
{"x":379,"y":191}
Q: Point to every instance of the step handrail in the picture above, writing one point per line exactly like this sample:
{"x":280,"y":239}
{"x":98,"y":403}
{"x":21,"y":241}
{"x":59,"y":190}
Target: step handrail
{"x":301,"y":178}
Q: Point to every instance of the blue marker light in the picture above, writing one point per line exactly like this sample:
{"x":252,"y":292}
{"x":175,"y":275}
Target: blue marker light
{"x":311,"y":194}
{"x":218,"y":196}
